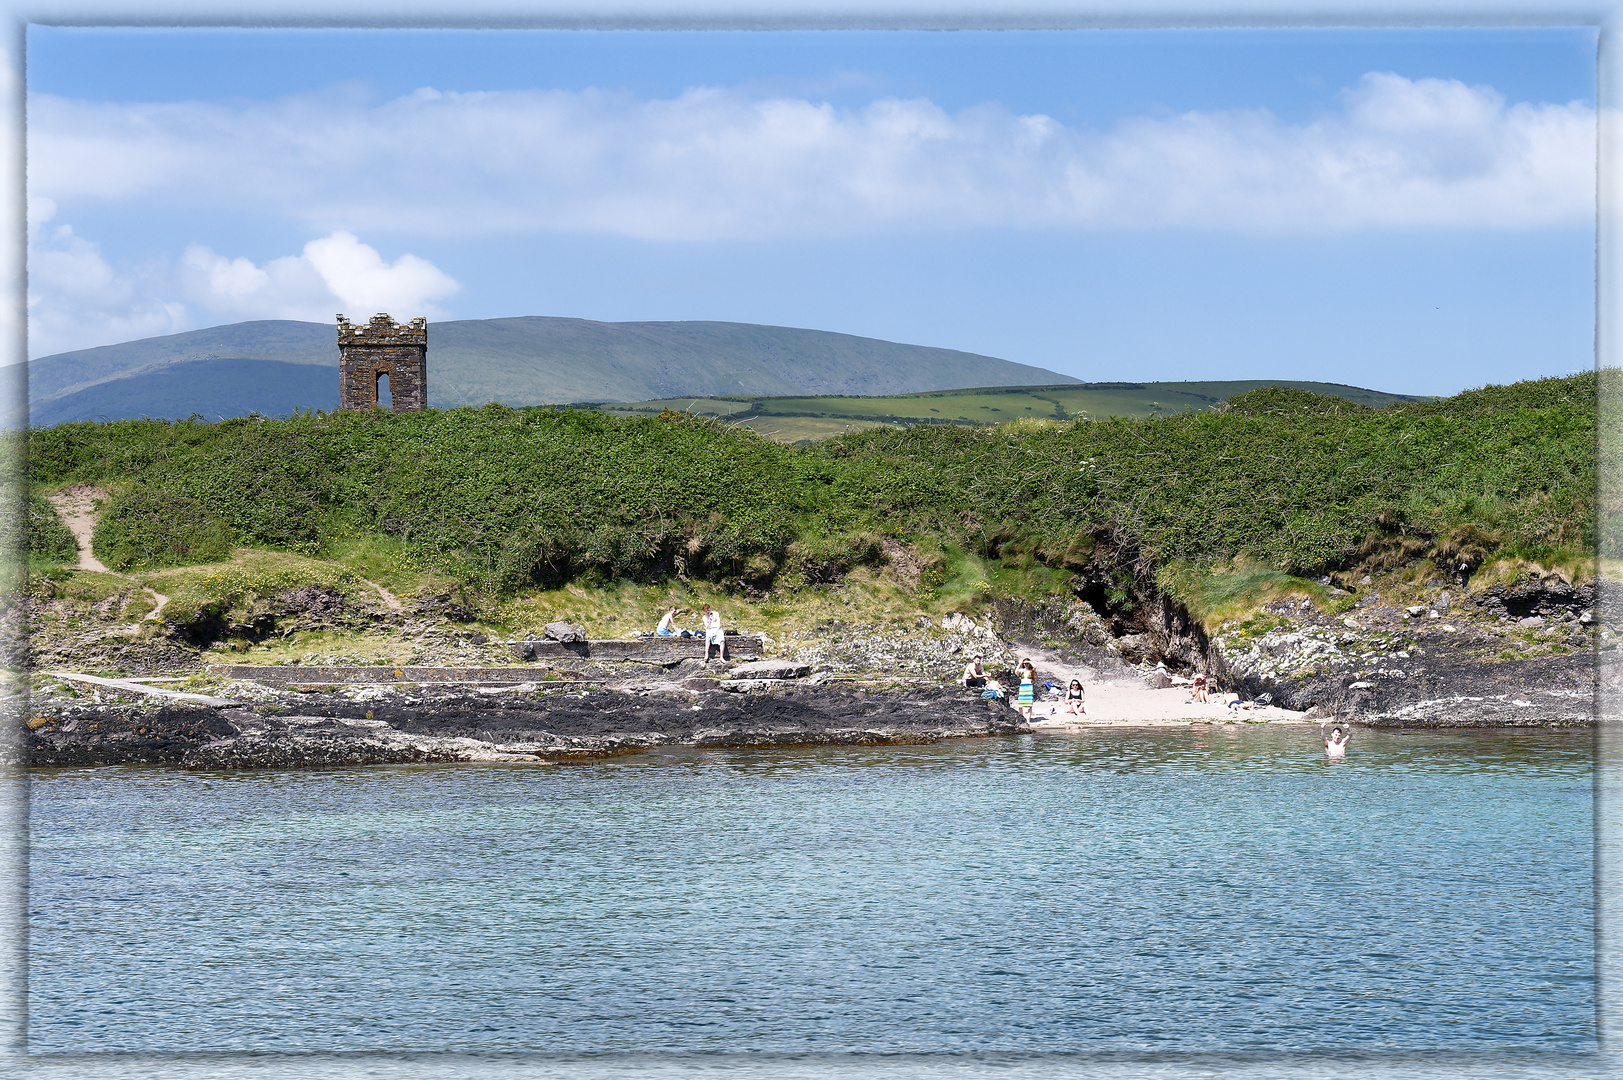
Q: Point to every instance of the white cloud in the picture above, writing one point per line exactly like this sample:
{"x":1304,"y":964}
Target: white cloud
{"x":359,"y":277}
{"x":720,"y":164}
{"x":77,"y":299}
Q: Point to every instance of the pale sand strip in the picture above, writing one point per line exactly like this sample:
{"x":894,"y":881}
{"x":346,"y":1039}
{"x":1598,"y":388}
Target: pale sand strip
{"x":1119,"y":705}
{"x":1129,"y":703}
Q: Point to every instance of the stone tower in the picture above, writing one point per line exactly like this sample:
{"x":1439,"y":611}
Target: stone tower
{"x":383,"y":347}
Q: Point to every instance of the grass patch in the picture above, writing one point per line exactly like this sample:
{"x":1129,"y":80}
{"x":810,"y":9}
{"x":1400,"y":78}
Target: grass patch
{"x":621,"y":608}
{"x":82,"y":586}
{"x":324,"y":646}
{"x":805,"y":429}
{"x":1572,"y":567}
{"x":199,"y":593}
{"x":387,"y":561}
{"x":1233,"y":592}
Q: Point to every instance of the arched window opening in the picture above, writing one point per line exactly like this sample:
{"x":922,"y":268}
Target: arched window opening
{"x":385,"y":398}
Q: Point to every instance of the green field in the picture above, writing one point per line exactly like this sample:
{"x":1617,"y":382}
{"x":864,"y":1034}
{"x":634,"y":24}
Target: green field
{"x":793,"y":419}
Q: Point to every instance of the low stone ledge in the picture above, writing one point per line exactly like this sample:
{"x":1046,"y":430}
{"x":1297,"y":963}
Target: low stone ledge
{"x":771,"y":669}
{"x":655,"y":649}
{"x":285,"y":676}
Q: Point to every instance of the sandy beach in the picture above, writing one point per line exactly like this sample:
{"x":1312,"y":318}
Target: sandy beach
{"x":1115,"y":704}
{"x":1129,"y":703}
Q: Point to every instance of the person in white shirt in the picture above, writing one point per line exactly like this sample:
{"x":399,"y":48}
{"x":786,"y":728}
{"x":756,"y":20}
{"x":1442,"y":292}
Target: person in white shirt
{"x":713,"y":633}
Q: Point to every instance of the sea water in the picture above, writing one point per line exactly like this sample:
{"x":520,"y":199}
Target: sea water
{"x":1134,"y":895}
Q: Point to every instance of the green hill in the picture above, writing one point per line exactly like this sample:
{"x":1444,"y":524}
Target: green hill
{"x":211,"y":388}
{"x":532,"y":360}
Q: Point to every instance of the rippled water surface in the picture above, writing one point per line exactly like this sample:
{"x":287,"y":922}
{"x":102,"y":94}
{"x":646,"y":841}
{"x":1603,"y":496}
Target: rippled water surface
{"x":1182,"y":890}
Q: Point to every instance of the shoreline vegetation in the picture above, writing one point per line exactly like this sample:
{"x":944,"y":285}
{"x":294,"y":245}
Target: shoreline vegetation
{"x":1421,"y":564}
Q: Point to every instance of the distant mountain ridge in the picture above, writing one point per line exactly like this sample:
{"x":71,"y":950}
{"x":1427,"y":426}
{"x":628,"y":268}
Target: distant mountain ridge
{"x":277,"y":366}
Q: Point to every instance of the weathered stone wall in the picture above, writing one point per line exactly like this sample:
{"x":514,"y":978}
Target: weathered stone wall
{"x":383,"y":347}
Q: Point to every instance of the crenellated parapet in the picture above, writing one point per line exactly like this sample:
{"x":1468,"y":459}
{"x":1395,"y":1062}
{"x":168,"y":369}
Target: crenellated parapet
{"x":383,"y":330}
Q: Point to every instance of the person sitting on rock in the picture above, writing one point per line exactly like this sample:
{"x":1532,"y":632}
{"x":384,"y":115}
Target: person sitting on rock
{"x":1076,"y":702}
{"x":667,"y":625}
{"x":1335,"y":743}
{"x":713,"y":633}
{"x":974,"y":674}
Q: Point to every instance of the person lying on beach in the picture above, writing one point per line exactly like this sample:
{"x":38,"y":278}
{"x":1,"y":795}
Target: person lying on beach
{"x":974,"y":674}
{"x":1234,"y":701}
{"x":1335,"y":743}
{"x":713,"y":633}
{"x":667,"y":625}
{"x":1076,"y":698}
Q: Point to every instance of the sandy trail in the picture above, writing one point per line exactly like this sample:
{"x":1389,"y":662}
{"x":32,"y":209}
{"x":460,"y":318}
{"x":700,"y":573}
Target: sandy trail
{"x":76,"y":506}
{"x":1128,"y":702}
{"x":390,"y":600}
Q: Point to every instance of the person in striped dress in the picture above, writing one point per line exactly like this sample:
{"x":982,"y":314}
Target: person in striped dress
{"x":1027,"y":700}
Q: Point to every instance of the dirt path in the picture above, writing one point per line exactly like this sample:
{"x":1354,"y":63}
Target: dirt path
{"x":76,"y":506}
{"x":390,"y":600}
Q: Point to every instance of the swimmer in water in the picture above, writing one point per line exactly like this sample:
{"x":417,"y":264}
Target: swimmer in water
{"x":1335,"y":743}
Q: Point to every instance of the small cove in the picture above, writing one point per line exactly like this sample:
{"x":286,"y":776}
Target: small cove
{"x":1169,"y":891}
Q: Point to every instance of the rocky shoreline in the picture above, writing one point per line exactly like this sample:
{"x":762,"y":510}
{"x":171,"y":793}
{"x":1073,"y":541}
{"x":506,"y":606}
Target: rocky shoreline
{"x":1528,"y":654}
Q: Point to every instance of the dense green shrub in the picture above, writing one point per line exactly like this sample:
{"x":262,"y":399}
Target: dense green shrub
{"x":1298,"y":492}
{"x":142,"y":528}
{"x":506,"y":497}
{"x":49,"y":539}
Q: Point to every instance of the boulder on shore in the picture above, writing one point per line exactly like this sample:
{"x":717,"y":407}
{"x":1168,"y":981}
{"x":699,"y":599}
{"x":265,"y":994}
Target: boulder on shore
{"x":565,"y":632}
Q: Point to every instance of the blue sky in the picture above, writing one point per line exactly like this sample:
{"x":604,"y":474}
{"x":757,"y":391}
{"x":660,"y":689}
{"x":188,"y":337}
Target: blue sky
{"x":1409,"y":210}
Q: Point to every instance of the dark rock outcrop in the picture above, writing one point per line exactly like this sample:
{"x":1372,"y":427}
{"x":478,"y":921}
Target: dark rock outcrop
{"x":456,"y":724}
